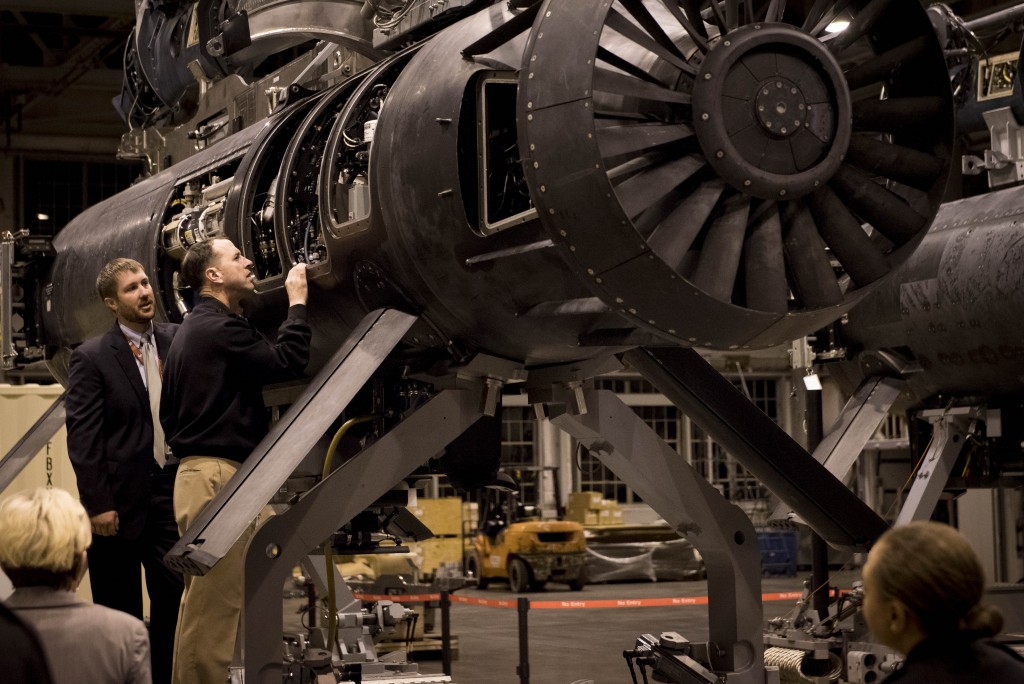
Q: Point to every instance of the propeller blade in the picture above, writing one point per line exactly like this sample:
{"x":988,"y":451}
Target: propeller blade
{"x":627,"y":169}
{"x":628,"y":138}
{"x":698,"y":34}
{"x":628,"y":29}
{"x":863,"y":22}
{"x":897,"y":162}
{"x":885,"y":211}
{"x":606,"y":81}
{"x":609,"y":57}
{"x":814,"y":282}
{"x":693,"y":14}
{"x":765,"y":264}
{"x":672,"y":238}
{"x":880,"y":67}
{"x":850,"y":244}
{"x":720,"y":254}
{"x":775,"y":10}
{"x":896,"y":114}
{"x":649,"y":186}
{"x":821,"y":15}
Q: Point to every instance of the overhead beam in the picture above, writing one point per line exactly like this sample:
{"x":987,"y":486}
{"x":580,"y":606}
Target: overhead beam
{"x":106,"y":8}
{"x":30,"y":77}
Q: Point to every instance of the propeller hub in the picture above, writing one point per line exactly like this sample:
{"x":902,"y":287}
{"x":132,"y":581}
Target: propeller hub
{"x":781,"y":107}
{"x":772,"y":111}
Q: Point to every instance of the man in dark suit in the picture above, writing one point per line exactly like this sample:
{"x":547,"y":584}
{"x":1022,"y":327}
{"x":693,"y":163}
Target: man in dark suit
{"x":125,"y":474}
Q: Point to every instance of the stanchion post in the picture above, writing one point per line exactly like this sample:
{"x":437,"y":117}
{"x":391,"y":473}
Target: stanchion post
{"x":523,"y":670}
{"x":446,"y":633}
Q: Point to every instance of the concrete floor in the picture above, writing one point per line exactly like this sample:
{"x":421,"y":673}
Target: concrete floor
{"x":567,"y":646}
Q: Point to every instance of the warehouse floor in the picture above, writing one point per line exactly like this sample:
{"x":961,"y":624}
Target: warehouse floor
{"x":585,"y":644}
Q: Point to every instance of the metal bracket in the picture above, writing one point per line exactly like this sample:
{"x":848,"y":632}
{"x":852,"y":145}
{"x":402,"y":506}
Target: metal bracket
{"x":1005,"y":161}
{"x":951,"y":427}
{"x":853,"y":429}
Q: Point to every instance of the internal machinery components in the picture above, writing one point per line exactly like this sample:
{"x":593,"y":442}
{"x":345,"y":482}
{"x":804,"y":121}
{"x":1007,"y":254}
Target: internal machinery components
{"x":178,"y":45}
{"x":755,"y":170}
{"x":23,"y":260}
{"x":200,"y":207}
{"x":329,"y":158}
{"x":671,"y":658}
{"x":801,"y":667}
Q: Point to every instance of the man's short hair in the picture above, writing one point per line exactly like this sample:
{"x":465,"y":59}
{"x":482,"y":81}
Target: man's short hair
{"x":197,"y":259}
{"x":106,"y":281}
{"x":42,"y":536}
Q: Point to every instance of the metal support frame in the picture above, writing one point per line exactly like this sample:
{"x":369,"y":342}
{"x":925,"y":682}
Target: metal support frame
{"x":285,"y":539}
{"x":7,"y":351}
{"x":289,"y":441}
{"x":951,"y":427}
{"x":764,"y":448}
{"x":718,"y":529}
{"x":15,"y":460}
{"x":853,"y":429}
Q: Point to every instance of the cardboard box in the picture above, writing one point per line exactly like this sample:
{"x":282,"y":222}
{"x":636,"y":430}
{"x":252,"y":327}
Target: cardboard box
{"x":609,"y":517}
{"x":585,"y":500}
{"x":470,"y":517}
{"x":582,"y":515}
{"x":437,"y":551}
{"x":442,"y":516}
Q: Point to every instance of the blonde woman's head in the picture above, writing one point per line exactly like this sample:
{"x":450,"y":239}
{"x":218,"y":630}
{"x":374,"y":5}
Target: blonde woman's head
{"x":43,"y":535}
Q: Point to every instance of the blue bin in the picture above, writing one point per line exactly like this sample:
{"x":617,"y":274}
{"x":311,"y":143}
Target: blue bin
{"x":778,"y":552}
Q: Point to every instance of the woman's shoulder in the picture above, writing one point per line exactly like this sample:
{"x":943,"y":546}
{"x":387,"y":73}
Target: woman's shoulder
{"x":1000,"y":662}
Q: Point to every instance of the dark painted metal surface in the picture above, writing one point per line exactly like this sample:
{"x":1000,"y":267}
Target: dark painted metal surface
{"x":951,"y":315}
{"x":605,"y":143}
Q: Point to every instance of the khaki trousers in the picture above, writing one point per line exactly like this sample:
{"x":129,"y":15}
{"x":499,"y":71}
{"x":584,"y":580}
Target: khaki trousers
{"x":211,"y":604}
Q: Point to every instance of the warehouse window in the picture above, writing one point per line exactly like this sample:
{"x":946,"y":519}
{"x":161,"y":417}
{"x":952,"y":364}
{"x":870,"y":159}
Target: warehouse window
{"x":684,"y":436}
{"x":54,"y":192}
{"x":519,"y":450}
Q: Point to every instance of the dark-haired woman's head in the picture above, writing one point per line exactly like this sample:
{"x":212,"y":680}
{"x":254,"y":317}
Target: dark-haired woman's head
{"x":924,"y":580}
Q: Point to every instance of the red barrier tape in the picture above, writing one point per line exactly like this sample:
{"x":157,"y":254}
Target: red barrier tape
{"x":571,"y":604}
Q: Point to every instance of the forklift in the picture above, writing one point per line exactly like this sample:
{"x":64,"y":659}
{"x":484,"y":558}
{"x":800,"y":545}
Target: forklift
{"x":511,"y":543}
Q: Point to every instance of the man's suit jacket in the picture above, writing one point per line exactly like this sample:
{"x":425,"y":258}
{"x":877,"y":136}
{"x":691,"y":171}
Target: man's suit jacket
{"x":85,"y":643}
{"x":110,"y":428}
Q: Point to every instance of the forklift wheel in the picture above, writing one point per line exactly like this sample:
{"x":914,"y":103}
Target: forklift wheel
{"x":578,"y":583}
{"x":518,"y":575}
{"x":473,"y":569}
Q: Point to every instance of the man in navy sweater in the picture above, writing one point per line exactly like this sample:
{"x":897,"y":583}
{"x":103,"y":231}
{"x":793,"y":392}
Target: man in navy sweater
{"x":213,"y":415}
